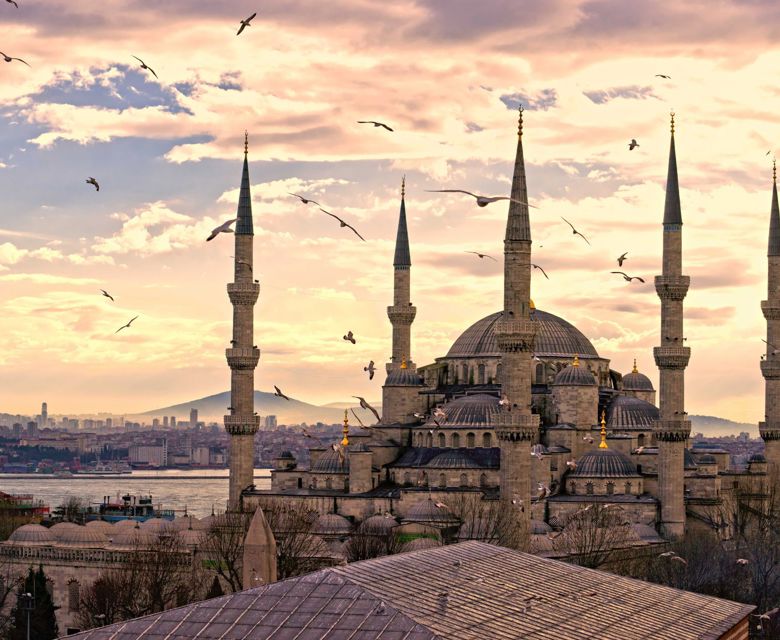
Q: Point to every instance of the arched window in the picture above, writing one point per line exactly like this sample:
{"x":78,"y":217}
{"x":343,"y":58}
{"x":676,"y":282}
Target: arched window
{"x":346,"y":483}
{"x":481,"y":374}
{"x":442,"y":480}
{"x":483,"y":480}
{"x":464,"y":374}
{"x":464,"y":480}
{"x":455,"y":440}
{"x":407,"y":478}
{"x":573,"y":488}
{"x":328,"y":483}
{"x":487,"y":440}
{"x":429,"y":440}
{"x":442,"y":440}
{"x":498,"y":373}
{"x":300,"y":483}
{"x":74,"y":597}
{"x":589,"y":488}
{"x":470,"y":440}
{"x":610,"y":488}
{"x":640,"y":441}
{"x":628,"y":488}
{"x":540,"y":373}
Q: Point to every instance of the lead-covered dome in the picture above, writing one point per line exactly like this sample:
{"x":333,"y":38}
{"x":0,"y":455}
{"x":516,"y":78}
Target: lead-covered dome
{"x":332,"y":524}
{"x":469,"y":411}
{"x":32,"y":534}
{"x":330,"y":462}
{"x":555,"y":338}
{"x":403,"y":377}
{"x":628,"y":412}
{"x":604,"y":463}
{"x":453,"y":459}
{"x":636,"y":381}
{"x":429,"y":512}
{"x":575,"y":375}
{"x":82,"y":537}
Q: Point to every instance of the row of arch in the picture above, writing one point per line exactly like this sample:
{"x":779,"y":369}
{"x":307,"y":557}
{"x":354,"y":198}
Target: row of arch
{"x":422,"y":479}
{"x":427,"y":439}
{"x":589,"y":488}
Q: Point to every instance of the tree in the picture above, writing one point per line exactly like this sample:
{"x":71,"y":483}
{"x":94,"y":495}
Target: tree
{"x":72,"y":509}
{"x":594,"y":535}
{"x":224,"y":547}
{"x":42,"y":620}
{"x":298,"y":550}
{"x":365,"y":545}
{"x":488,"y":520}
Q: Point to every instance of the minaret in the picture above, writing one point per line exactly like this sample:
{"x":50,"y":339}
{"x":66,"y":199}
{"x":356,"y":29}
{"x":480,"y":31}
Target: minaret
{"x":770,"y":367}
{"x":242,"y":356}
{"x":672,"y":429}
{"x":516,"y":427}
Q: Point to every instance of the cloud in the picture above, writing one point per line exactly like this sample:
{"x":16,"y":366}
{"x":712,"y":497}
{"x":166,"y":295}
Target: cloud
{"x":543,"y":100}
{"x":633,"y":92}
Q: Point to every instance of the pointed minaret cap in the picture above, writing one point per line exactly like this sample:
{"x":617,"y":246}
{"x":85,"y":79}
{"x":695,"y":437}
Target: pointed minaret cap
{"x":518,"y":226}
{"x":672,"y":209}
{"x":774,"y":217}
{"x":345,"y":430}
{"x":603,"y":444}
{"x":244,"y":215}
{"x":403,"y":257}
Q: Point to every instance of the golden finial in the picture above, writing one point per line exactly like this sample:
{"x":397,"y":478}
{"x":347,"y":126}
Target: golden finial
{"x":345,"y":439}
{"x":403,"y":187}
{"x":576,"y":361}
{"x":246,"y":142}
{"x":634,"y":370}
{"x":603,"y":444}
{"x":520,"y":122}
{"x":531,"y":305}
{"x":403,"y":362}
{"x":671,"y":113}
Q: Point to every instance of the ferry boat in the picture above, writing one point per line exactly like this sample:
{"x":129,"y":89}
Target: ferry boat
{"x":128,"y":507}
{"x":108,"y":468}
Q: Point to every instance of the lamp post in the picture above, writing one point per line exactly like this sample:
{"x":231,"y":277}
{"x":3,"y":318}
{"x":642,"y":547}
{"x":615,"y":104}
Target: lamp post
{"x":27,"y":601}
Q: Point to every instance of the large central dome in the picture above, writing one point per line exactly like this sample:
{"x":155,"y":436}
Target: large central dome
{"x":556,"y":338}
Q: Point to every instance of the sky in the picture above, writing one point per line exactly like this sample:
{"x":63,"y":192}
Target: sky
{"x":447,"y":76}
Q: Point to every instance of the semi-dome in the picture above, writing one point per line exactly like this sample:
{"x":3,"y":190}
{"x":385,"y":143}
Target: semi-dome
{"x":469,"y":411}
{"x":453,"y":459}
{"x":32,"y":534}
{"x":82,"y":537}
{"x":129,"y":537}
{"x":101,"y":525}
{"x":636,"y":381}
{"x":61,"y":527}
{"x":378,"y":525}
{"x":332,"y":524}
{"x":157,"y":524}
{"x":575,"y":375}
{"x":330,"y":462}
{"x":604,"y":463}
{"x":628,"y":412}
{"x":427,"y":512}
{"x":182,"y":523}
{"x":192,"y":537}
{"x":403,"y":378}
{"x":555,"y":338}
{"x":126,"y":523}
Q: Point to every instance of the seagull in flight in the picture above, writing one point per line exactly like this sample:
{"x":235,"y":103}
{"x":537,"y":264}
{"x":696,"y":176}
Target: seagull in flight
{"x":304,"y":200}
{"x":375,"y":123}
{"x":350,"y":338}
{"x":632,"y":144}
{"x":365,"y":405}
{"x":629,"y":278}
{"x":223,"y":228}
{"x":482,"y":201}
{"x":146,"y":66}
{"x":438,"y":415}
{"x":661,"y":75}
{"x":245,"y":23}
{"x":574,"y":231}
{"x":13,"y":3}
{"x":371,"y":370}
{"x":769,"y":344}
{"x":343,"y":224}
{"x":125,"y":326}
{"x":743,"y":561}
{"x":536,"y":266}
{"x":481,"y":255}
{"x":622,"y":259}
{"x":8,"y":58}
{"x":107,"y":295}
{"x":278,"y":393}
{"x":93,"y":182}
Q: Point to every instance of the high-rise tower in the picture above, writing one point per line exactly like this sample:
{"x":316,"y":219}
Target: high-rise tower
{"x":516,"y":427}
{"x":770,"y":367}
{"x":672,"y":429}
{"x":242,"y":356}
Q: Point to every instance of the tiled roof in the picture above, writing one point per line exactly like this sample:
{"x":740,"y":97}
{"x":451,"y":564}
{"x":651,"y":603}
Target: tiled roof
{"x":628,"y":412}
{"x":604,"y":463}
{"x":636,"y":381}
{"x":575,"y":376}
{"x":470,"y":591}
{"x":475,"y":410}
{"x":487,"y":458}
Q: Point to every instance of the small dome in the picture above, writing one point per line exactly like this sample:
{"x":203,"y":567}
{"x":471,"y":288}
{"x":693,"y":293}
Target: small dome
{"x":331,"y":524}
{"x":469,"y":411}
{"x":636,"y":381}
{"x":538,"y":449}
{"x":757,"y":457}
{"x":182,"y":523}
{"x":61,"y":527}
{"x":82,"y":537}
{"x":192,"y":537}
{"x":628,"y":412}
{"x":101,"y":525}
{"x":378,"y":525}
{"x":604,"y":463}
{"x":134,"y":537}
{"x":427,"y":512}
{"x":418,"y":544}
{"x":403,"y":378}
{"x":575,"y":375}
{"x":453,"y":459}
{"x":127,"y":522}
{"x":157,"y":524}
{"x":707,"y":459}
{"x":32,"y":534}
{"x":330,"y":462}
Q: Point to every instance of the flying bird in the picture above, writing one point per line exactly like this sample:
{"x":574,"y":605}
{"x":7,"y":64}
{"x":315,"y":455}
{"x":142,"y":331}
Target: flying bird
{"x":13,"y":3}
{"x":574,"y":231}
{"x":146,"y":66}
{"x":375,"y":123}
{"x":125,"y":326}
{"x":639,"y":450}
{"x":223,"y":228}
{"x":571,"y":464}
{"x":245,"y":23}
{"x":666,"y":554}
{"x":357,"y":417}
{"x":482,"y":255}
{"x":9,"y":58}
{"x":504,"y":401}
{"x":661,"y":75}
{"x":419,"y":416}
{"x":679,"y":559}
{"x":365,"y":405}
{"x":769,"y":344}
{"x":622,"y":259}
{"x":588,"y":439}
{"x":340,"y":450}
{"x":544,"y":491}
{"x":107,"y":294}
{"x":350,"y":338}
{"x":768,"y":152}
{"x":743,"y":561}
{"x":633,"y":144}
{"x":343,"y":224}
{"x":482,"y":201}
{"x":93,"y":182}
{"x":371,"y":370}
{"x":629,"y":278}
{"x":304,"y":200}
{"x":536,"y":266}
{"x":439,"y":416}
{"x":279,"y":394}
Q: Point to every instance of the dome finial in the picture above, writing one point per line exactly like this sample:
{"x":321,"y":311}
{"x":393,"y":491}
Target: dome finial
{"x":603,"y":444}
{"x":403,"y":362}
{"x":520,"y":121}
{"x":576,"y":361}
{"x":634,"y":370}
{"x":345,"y":430}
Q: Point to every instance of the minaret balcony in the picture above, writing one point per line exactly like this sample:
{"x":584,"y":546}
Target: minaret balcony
{"x":516,"y":335}
{"x":769,"y":430}
{"x":242,"y":425}
{"x":672,"y":287}
{"x":242,"y":358}
{"x":401,"y":314}
{"x":770,"y":309}
{"x":513,"y":426}
{"x":672,"y":357}
{"x":243,"y":292}
{"x":770,"y":369}
{"x":675,"y":430}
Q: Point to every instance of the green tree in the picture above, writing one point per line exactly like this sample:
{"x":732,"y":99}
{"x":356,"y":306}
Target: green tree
{"x":43,"y":624}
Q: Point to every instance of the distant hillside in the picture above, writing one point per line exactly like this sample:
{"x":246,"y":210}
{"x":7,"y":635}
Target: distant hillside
{"x":286,"y":412}
{"x":714,"y":426}
{"x":346,"y":405}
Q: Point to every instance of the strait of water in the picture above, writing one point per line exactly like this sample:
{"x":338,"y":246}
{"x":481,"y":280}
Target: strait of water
{"x":196,"y":489}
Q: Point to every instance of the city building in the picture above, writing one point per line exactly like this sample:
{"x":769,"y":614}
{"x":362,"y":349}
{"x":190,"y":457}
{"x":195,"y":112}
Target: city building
{"x":193,"y":418}
{"x":270,"y":422}
{"x":149,"y":455}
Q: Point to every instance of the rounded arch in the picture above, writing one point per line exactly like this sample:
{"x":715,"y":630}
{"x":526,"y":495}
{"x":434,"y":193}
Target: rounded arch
{"x":442,"y":480}
{"x":455,"y":440}
{"x":487,"y":439}
{"x":470,"y":439}
{"x":464,"y":480}
{"x":442,"y":440}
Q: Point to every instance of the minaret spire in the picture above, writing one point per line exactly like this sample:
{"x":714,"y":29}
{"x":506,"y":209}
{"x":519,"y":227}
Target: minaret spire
{"x":517,"y":224}
{"x":672,"y":429}
{"x":242,"y":356}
